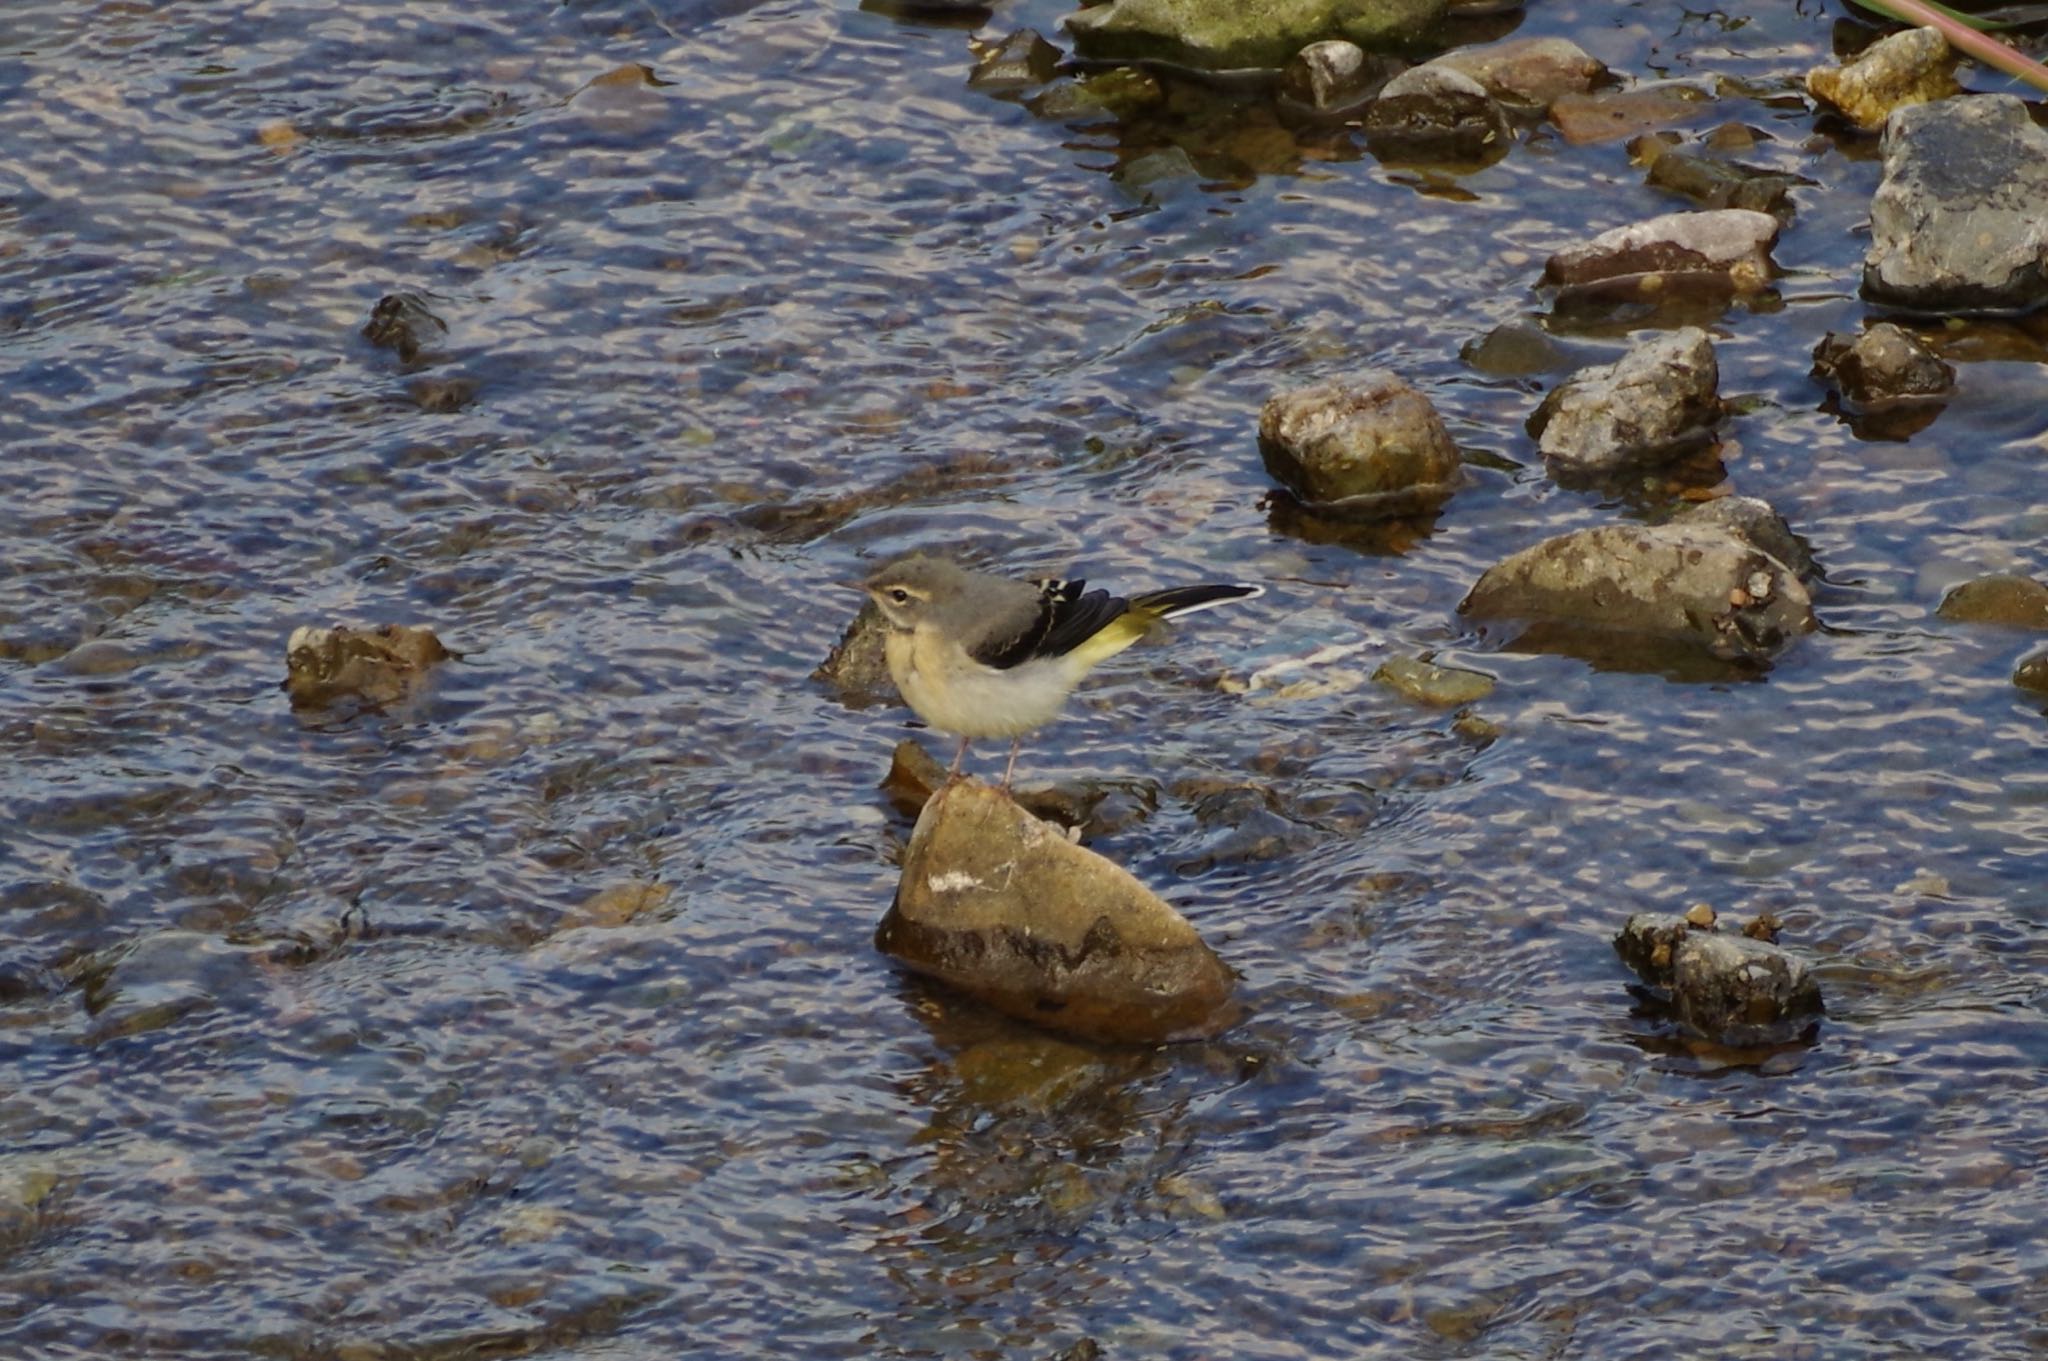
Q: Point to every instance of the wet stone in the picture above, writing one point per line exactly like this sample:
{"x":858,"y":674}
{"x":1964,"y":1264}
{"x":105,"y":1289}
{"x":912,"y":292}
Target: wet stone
{"x":1732,"y":988}
{"x":1701,"y":584}
{"x":2032,"y":673}
{"x":1331,"y":77}
{"x":1021,"y":61}
{"x":403,"y":324}
{"x":915,"y":775}
{"x":1372,"y":446}
{"x":1655,"y":403}
{"x":1442,"y":687}
{"x":1956,"y":224}
{"x":1611,"y":115}
{"x":1727,"y":248}
{"x":1528,"y":72}
{"x":856,"y":667}
{"x":1513,"y":349}
{"x":1004,"y":908}
{"x":1116,"y":93}
{"x":1885,"y":365}
{"x":1913,"y":67}
{"x":377,"y":667}
{"x":1738,"y":991}
{"x":1712,"y":182}
{"x":1756,"y":521}
{"x":1436,"y":113}
{"x":1234,"y":34}
{"x":2013,"y":602}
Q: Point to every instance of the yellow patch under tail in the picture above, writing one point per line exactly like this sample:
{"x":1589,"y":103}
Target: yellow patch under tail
{"x":1114,"y":637}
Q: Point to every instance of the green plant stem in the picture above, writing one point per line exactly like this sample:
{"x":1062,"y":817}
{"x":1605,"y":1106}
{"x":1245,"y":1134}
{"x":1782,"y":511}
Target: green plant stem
{"x":1967,"y":40}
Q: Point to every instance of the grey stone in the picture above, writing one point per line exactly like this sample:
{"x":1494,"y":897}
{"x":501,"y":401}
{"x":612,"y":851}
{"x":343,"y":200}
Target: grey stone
{"x":1699,"y":584}
{"x":1655,"y":402}
{"x":1755,"y":521}
{"x":1731,"y":988}
{"x":1742,"y":992}
{"x":1957,"y":223}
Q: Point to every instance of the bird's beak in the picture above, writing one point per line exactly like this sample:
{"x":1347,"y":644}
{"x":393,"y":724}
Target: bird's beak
{"x":860,"y":586}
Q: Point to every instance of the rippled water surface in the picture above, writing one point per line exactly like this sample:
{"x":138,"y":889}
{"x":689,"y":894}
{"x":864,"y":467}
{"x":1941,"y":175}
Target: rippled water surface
{"x":337,"y":1034}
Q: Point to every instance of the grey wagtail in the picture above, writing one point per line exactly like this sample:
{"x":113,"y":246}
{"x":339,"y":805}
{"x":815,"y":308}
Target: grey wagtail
{"x":986,"y":656}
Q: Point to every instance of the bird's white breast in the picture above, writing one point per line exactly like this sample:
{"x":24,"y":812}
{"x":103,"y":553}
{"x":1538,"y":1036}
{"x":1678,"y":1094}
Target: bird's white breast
{"x":954,"y":693}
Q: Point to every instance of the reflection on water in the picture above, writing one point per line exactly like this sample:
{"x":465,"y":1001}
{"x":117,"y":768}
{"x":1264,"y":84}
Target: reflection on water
{"x":539,"y":1015}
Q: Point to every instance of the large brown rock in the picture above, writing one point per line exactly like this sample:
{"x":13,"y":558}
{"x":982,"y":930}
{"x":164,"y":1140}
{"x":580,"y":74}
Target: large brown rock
{"x":1003,"y":907}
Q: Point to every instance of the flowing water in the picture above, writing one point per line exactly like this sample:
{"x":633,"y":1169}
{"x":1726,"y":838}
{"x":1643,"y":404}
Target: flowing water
{"x":540,"y":1016}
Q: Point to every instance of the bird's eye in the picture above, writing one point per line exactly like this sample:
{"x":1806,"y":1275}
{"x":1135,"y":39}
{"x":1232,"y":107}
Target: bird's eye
{"x":899,"y":595}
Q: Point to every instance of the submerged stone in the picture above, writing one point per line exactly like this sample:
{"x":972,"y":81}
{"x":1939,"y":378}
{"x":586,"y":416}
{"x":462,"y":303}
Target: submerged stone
{"x":2013,"y":602}
{"x":1019,"y":62}
{"x":403,"y":324}
{"x":1003,"y":907}
{"x":1443,"y":687}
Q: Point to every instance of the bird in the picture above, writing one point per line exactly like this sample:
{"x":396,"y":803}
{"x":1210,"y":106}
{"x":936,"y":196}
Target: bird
{"x":979,"y":655}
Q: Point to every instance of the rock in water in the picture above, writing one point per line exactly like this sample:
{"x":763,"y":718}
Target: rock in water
{"x":1914,"y":67}
{"x":1725,"y":986}
{"x":377,"y":667}
{"x":1957,"y":223}
{"x":1652,"y":405}
{"x":1227,"y":34}
{"x":1739,"y":991}
{"x":1701,"y":584}
{"x":1004,"y":908}
{"x":1370,"y":447}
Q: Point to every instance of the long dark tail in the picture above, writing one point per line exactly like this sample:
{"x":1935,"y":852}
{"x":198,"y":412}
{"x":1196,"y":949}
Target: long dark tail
{"x":1187,"y":599}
